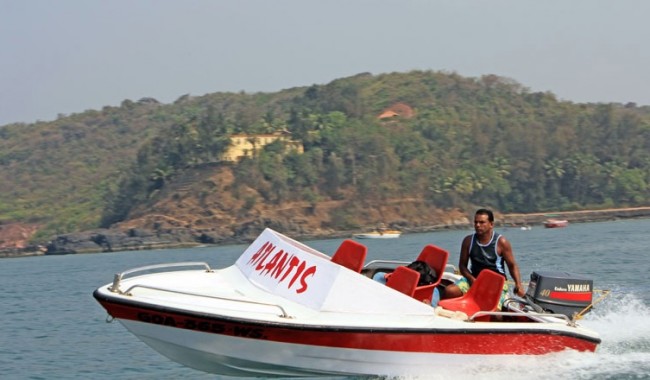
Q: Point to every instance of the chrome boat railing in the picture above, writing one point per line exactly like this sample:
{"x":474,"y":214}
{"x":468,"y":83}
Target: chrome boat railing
{"x":115,"y":288}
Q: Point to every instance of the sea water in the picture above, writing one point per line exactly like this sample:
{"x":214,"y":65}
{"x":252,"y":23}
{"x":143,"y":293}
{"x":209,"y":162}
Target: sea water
{"x":52,"y":328}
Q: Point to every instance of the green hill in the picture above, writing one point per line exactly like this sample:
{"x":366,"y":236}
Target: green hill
{"x":392,"y":148}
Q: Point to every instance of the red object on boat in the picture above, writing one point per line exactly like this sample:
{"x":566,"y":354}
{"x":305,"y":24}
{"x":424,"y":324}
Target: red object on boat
{"x":556,"y":223}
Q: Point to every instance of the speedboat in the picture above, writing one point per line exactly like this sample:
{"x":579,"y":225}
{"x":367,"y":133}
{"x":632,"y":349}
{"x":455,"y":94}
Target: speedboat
{"x":379,"y":234}
{"x":285,"y":309}
{"x":556,"y":223}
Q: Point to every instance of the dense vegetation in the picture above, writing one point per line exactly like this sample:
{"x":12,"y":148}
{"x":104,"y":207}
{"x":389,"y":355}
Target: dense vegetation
{"x":486,"y":141}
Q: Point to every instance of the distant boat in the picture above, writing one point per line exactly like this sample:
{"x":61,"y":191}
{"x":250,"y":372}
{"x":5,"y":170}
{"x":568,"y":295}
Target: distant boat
{"x":556,"y":223}
{"x":526,"y":228}
{"x":379,"y":234}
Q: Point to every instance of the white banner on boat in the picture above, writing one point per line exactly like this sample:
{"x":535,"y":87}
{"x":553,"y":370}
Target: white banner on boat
{"x":288,"y":268}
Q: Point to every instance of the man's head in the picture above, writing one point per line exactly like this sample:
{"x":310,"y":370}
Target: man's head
{"x":483,"y":221}
{"x":484,"y":211}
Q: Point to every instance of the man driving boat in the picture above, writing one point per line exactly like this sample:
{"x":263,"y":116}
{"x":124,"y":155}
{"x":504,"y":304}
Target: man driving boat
{"x":485,"y":249}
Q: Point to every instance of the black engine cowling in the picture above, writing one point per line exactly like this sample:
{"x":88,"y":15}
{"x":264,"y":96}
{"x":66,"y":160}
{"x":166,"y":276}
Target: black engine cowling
{"x":560,"y":292}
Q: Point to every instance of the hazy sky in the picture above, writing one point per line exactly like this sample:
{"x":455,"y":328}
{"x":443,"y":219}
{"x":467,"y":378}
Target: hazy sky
{"x":68,"y":56}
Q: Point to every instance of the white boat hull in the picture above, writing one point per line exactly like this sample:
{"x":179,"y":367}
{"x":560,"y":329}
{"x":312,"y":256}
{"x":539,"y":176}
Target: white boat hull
{"x":237,"y":356}
{"x":303,"y":346}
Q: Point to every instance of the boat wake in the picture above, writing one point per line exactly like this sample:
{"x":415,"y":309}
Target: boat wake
{"x":623,"y":354}
{"x":622,"y":321}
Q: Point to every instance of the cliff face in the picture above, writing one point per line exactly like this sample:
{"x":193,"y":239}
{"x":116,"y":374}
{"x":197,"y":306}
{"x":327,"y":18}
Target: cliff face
{"x":165,"y":231}
{"x":203,"y":201}
{"x":200,"y":207}
{"x":16,"y":235}
{"x":187,"y":229}
{"x":14,"y":240}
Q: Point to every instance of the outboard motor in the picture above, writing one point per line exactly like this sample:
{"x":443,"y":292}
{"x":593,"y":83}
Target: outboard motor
{"x":560,"y":292}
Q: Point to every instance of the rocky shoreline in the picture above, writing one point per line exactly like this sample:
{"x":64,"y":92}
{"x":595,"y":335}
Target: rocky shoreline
{"x":577,"y":216}
{"x":110,"y":240}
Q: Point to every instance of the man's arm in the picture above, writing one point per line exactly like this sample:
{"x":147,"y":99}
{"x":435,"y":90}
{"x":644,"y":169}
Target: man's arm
{"x":463,"y":262}
{"x":506,"y":252}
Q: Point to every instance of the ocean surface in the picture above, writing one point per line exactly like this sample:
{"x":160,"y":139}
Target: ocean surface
{"x":52,"y":328}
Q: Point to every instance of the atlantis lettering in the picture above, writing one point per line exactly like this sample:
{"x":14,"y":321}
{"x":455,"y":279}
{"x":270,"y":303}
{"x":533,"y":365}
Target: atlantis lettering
{"x":283,"y":266}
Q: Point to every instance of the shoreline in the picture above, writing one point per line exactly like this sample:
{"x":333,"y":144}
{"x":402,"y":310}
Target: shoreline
{"x":582,"y":216}
{"x":502,"y":220}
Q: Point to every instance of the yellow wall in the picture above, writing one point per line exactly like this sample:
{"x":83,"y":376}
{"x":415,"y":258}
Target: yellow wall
{"x":241,"y":145}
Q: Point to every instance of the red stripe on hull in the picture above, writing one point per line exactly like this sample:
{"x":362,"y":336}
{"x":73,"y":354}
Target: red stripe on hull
{"x":484,"y":342}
